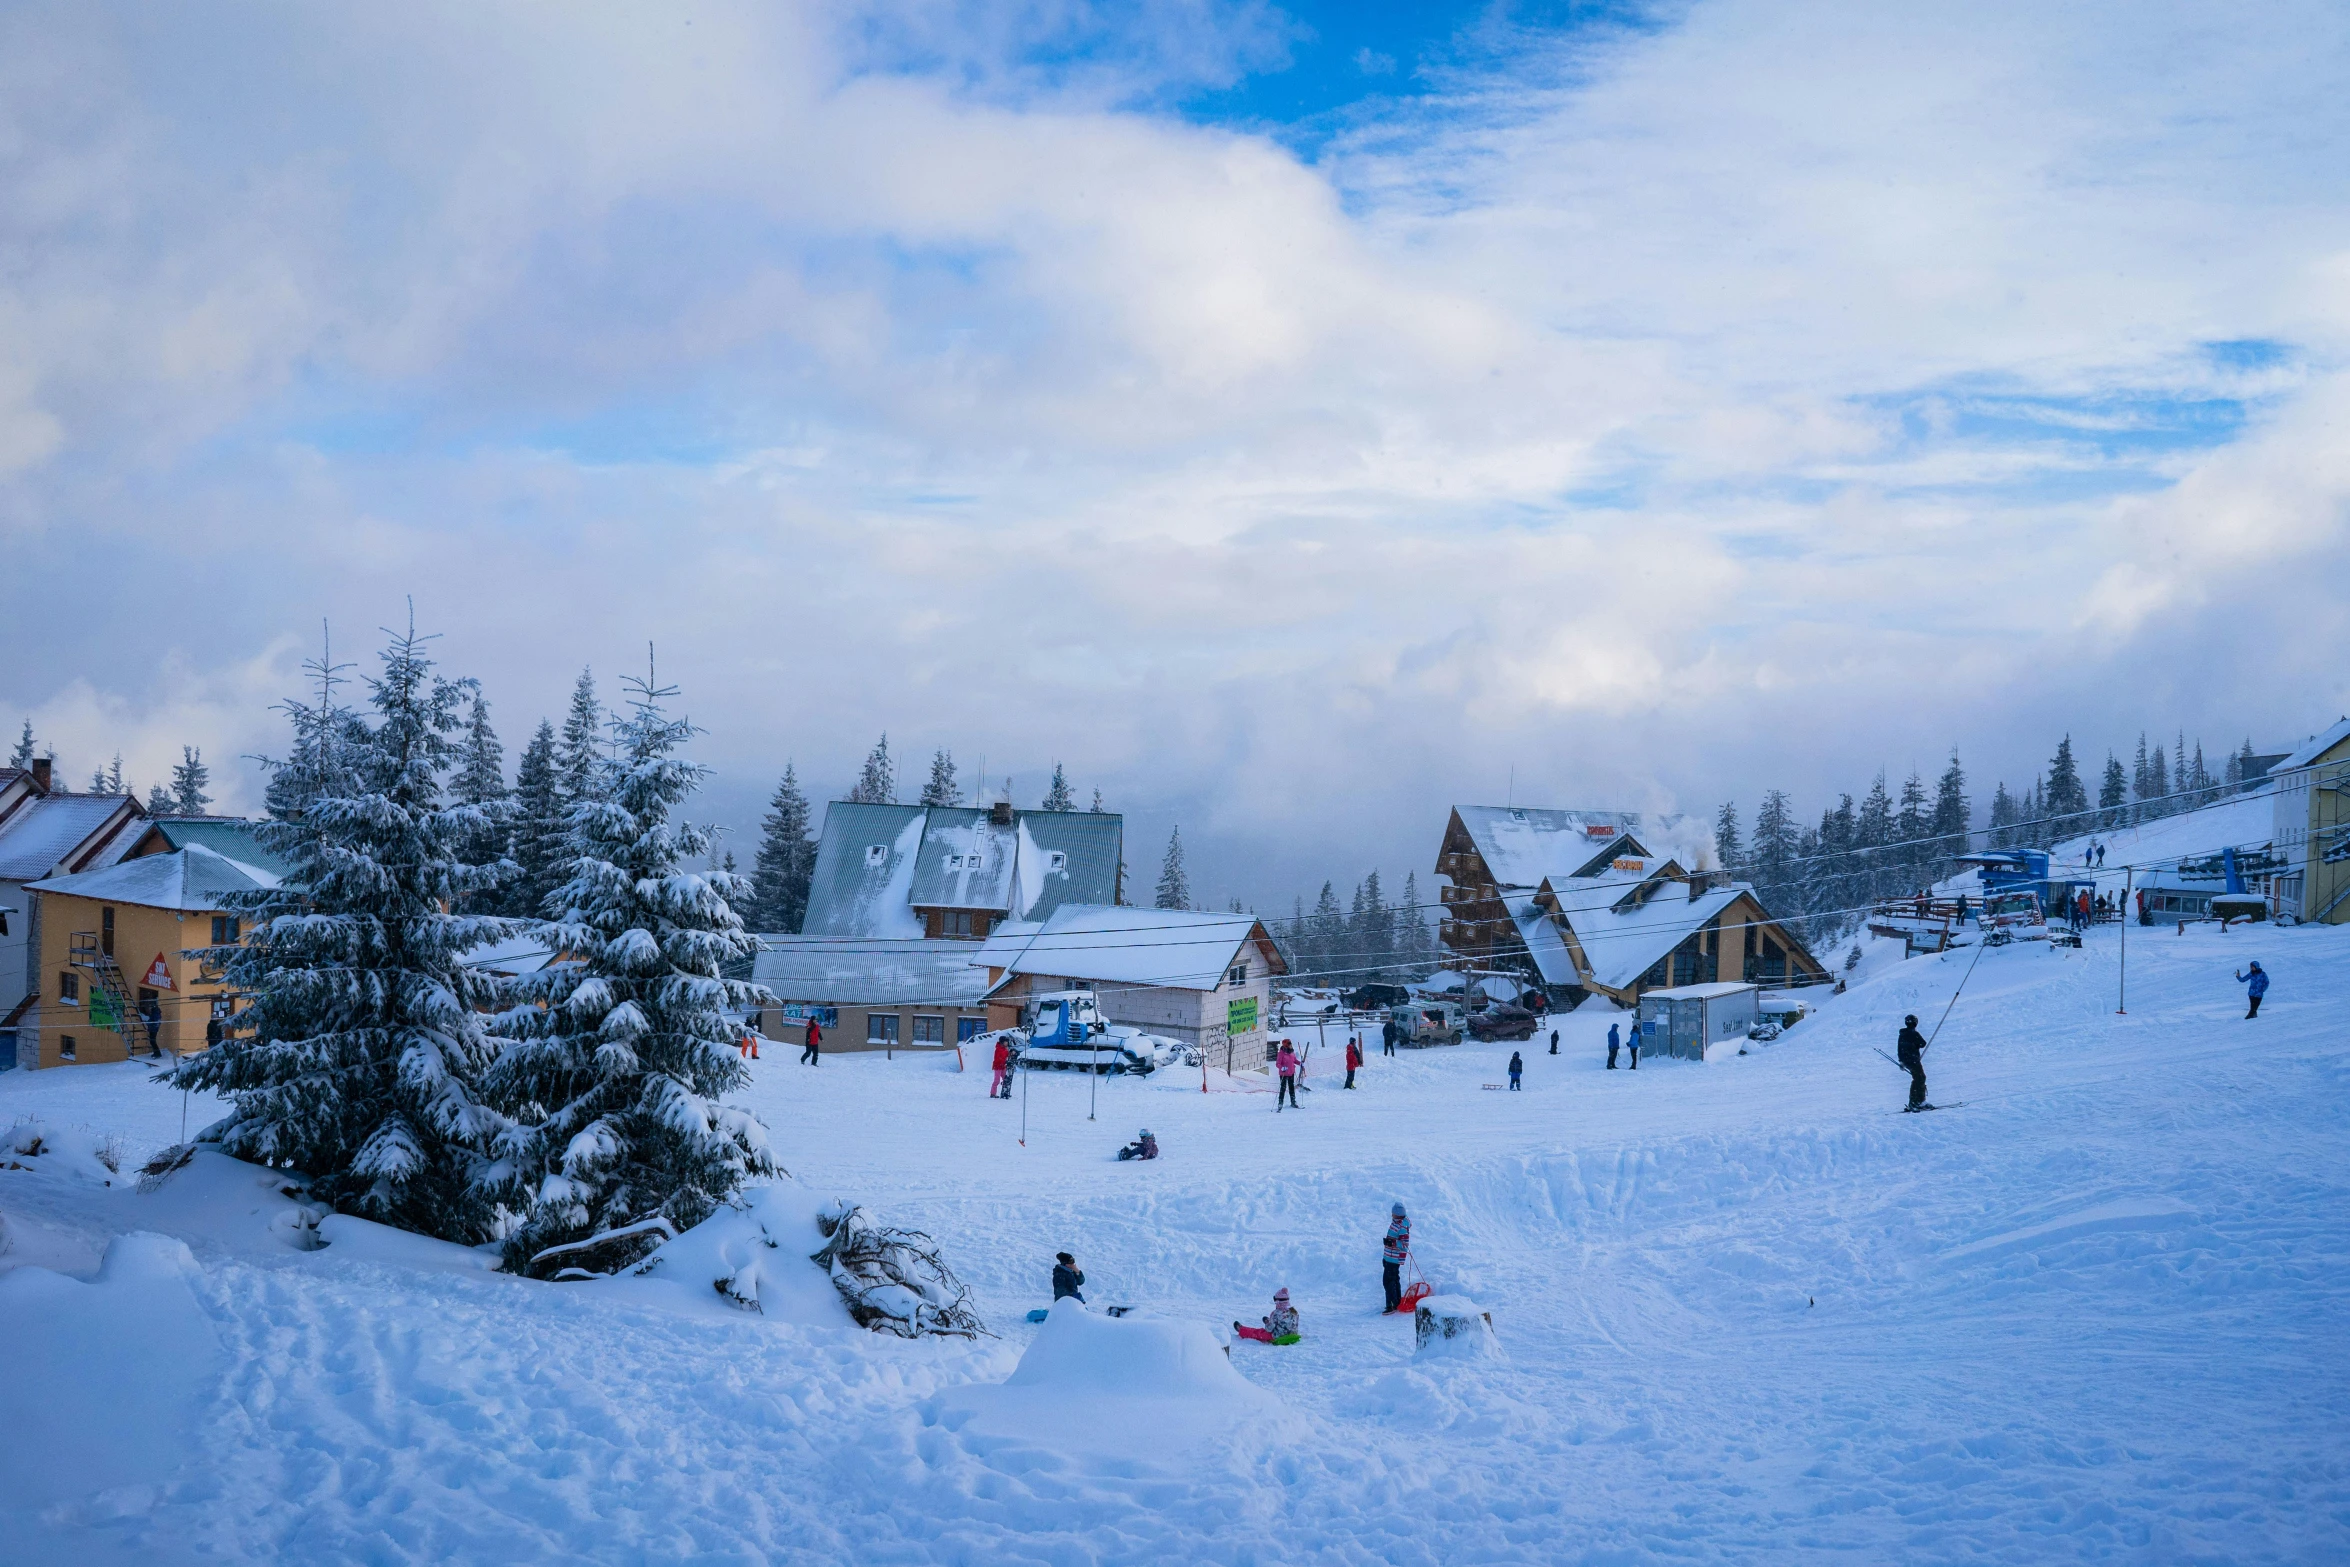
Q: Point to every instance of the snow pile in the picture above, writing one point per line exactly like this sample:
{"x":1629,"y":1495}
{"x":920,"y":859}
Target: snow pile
{"x":1453,"y":1327}
{"x":754,"y":1254}
{"x":105,"y":1379}
{"x":34,"y":1142}
{"x":1135,"y":1388}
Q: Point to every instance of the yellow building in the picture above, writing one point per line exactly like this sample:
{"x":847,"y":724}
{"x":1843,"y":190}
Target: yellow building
{"x":2312,"y":791}
{"x":115,"y":975}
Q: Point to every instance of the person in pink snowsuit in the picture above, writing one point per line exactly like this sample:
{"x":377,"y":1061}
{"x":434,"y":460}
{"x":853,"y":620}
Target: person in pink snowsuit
{"x":1286,"y":1064}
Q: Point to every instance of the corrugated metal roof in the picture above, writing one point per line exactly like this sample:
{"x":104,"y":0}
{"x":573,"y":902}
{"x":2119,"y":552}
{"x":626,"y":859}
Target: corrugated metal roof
{"x":235,"y":836}
{"x":871,"y":973}
{"x":1089,"y":844}
{"x":875,"y":864}
{"x":1179,"y":948}
{"x":864,"y":872}
{"x":45,"y":832}
{"x":966,"y":861}
{"x":193,"y":879}
{"x":2312,"y":748}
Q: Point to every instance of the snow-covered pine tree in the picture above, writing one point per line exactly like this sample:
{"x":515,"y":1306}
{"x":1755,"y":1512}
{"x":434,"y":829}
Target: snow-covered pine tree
{"x":942,"y":788}
{"x":362,"y":1037}
{"x":187,"y":782}
{"x":2113,"y":794}
{"x":877,"y":782}
{"x":1326,"y":937}
{"x":540,"y":837}
{"x":328,"y":737}
{"x":1098,"y":808}
{"x":1911,"y":829}
{"x":115,"y":783}
{"x":2142,"y":782}
{"x":480,"y":780}
{"x":1953,"y":811}
{"x":160,"y":802}
{"x":1728,"y":852}
{"x":22,"y":757}
{"x":2157,"y":796}
{"x":785,"y":862}
{"x":1414,"y":947}
{"x":1872,"y":831}
{"x":621,"y":1059}
{"x":98,"y":780}
{"x":2200,"y":778}
{"x":1174,"y":889}
{"x":2068,"y":798}
{"x":579,"y":761}
{"x":1772,"y":867}
{"x":1058,"y":797}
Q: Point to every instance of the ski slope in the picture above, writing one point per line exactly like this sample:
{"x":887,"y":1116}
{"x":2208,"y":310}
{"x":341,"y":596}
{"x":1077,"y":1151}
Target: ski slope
{"x":1747,"y":1312}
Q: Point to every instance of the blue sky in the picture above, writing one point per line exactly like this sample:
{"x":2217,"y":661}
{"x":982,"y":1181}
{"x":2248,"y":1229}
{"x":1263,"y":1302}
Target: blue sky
{"x":1229,"y":401}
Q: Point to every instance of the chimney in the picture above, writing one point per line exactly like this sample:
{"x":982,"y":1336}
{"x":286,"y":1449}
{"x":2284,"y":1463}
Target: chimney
{"x":1001,"y":813}
{"x":1700,"y":882}
{"x":41,"y":769}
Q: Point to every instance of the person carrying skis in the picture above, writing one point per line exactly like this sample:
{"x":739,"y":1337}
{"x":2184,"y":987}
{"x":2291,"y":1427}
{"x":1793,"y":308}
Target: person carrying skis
{"x":1354,"y":1060}
{"x":1280,"y":1325}
{"x":1001,"y":1088}
{"x":1517,"y":1066}
{"x":1068,"y":1281}
{"x":1286,"y":1064}
{"x":815,"y":1039}
{"x":1398,"y":1246}
{"x":2258,"y":980}
{"x":1911,"y":1051}
{"x":1144,"y":1146}
{"x":1615,"y":1042}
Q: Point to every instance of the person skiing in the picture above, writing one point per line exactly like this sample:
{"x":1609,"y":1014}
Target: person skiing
{"x":1068,"y":1281}
{"x":2258,"y":980}
{"x":1517,"y":1066}
{"x":815,"y":1039}
{"x":1554,"y":1041}
{"x":1354,"y":1060}
{"x":1286,"y":1064}
{"x":1911,"y":1050}
{"x":1280,"y":1323}
{"x":1144,"y":1146}
{"x":1392,"y":1253}
{"x":1615,"y":1041}
{"x":1001,"y":1088}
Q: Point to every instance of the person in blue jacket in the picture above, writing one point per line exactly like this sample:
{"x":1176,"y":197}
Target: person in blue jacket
{"x":1615,"y":1042}
{"x":2258,"y":981}
{"x":1068,"y":1278}
{"x":1517,"y":1068}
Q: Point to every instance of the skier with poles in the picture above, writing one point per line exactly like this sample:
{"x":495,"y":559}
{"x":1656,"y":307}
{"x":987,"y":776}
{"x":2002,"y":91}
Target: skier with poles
{"x":1396,"y":1248}
{"x":1286,"y":1063}
{"x":1911,"y":1049}
{"x":2258,"y":981}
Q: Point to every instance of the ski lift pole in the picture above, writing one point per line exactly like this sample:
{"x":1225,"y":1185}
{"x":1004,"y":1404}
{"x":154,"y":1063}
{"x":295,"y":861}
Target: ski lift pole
{"x":1093,"y":1061}
{"x":1024,"y":1077}
{"x":2122,"y":1000}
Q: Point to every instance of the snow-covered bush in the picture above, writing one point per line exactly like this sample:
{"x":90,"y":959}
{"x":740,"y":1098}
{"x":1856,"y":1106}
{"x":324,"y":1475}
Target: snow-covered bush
{"x":622,"y":1053}
{"x":361,"y":1040}
{"x":894,"y":1281}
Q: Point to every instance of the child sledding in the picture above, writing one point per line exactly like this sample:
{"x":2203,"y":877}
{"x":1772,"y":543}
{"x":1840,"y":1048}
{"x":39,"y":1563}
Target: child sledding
{"x":1280,"y":1327}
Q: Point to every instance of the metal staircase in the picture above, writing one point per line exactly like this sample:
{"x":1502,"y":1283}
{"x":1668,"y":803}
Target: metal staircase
{"x":87,"y":952}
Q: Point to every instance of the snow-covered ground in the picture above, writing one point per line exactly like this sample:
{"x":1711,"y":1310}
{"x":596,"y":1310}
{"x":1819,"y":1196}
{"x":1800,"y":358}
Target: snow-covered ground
{"x":1746,"y":1312}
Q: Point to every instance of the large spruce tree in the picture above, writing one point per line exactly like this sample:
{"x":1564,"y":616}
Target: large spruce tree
{"x":786,"y":861}
{"x":541,"y":838}
{"x":622,"y":1057}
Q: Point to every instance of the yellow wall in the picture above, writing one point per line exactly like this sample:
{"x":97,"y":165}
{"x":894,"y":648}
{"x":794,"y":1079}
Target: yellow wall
{"x":139,"y":934}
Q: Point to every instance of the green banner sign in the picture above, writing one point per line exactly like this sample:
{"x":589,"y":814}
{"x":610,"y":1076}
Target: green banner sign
{"x":1240,"y":1016}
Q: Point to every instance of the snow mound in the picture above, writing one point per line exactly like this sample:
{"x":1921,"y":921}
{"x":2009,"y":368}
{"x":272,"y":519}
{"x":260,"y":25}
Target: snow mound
{"x":751,"y":1255}
{"x":36,"y":1143}
{"x":1453,"y":1327}
{"x":1135,"y":1389}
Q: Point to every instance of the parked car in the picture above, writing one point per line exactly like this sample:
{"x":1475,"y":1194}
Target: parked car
{"x":1376,"y":998}
{"x":1430,"y":1022}
{"x":1500,"y":1020}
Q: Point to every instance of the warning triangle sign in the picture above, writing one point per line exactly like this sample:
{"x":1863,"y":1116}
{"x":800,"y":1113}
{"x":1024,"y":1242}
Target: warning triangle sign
{"x":158,"y":974}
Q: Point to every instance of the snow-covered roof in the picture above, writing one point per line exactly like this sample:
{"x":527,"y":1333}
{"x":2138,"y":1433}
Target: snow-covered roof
{"x":1544,"y":942}
{"x":877,"y":864}
{"x":1726,"y":987}
{"x":524,"y":954}
{"x":235,"y":836}
{"x":2312,"y":748}
{"x":195,"y":879}
{"x":1523,"y":846}
{"x":871,"y":973}
{"x":1178,"y":948}
{"x":45,"y":833}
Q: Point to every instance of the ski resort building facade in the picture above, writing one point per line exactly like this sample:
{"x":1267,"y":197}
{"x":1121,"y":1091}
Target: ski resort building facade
{"x":914,"y":872}
{"x":46,"y":831}
{"x":891,"y":994}
{"x":1578,"y":897}
{"x":2311,"y":797}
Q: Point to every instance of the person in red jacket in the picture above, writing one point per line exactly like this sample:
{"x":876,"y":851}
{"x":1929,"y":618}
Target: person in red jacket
{"x":1001,"y":1088}
{"x":1354,"y":1060}
{"x":815,"y":1039}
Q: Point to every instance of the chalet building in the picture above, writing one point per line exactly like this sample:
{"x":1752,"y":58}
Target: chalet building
{"x":888,"y":994}
{"x":46,"y":831}
{"x":2312,"y":828}
{"x":913,"y":872}
{"x":1200,"y":977}
{"x":1579,"y":898}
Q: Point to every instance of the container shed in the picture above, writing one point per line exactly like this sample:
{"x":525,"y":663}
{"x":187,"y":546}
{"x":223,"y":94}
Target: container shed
{"x":1698,"y":1022}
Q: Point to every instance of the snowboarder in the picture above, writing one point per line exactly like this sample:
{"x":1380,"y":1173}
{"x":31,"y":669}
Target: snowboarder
{"x":1911,"y":1050}
{"x":1517,"y":1066}
{"x":1554,"y":1041}
{"x":1280,"y":1326}
{"x":2258,"y":980}
{"x":1397,"y":1247}
{"x":1354,"y":1061}
{"x":1286,"y":1064}
{"x":1615,"y":1042}
{"x":1001,"y":1088}
{"x":1387,"y":1033}
{"x":1067,"y":1280}
{"x":1144,"y":1146}
{"x":815,"y":1039}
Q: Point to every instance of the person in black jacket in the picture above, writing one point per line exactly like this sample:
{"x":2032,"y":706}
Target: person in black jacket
{"x":1067,"y":1280}
{"x":1911,"y":1050}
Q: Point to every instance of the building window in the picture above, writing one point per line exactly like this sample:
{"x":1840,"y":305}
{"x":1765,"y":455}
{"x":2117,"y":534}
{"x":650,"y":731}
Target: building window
{"x":876,"y":853}
{"x":227,"y":930}
{"x":930,"y":1030}
{"x":65,"y":1048}
{"x":69,"y":989}
{"x":1237,"y":974}
{"x":958,"y":924}
{"x":966,"y":1030}
{"x":881,"y":1028}
{"x":1056,"y":861}
{"x":106,"y":931}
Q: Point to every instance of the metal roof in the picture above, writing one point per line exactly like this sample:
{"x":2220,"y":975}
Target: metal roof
{"x":876,"y":864}
{"x":235,"y":836}
{"x":194,"y":879}
{"x":45,"y":833}
{"x":1522,"y":846}
{"x":1178,"y":948}
{"x":871,"y":973}
{"x":2312,"y":748}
